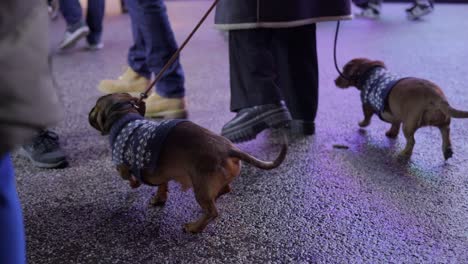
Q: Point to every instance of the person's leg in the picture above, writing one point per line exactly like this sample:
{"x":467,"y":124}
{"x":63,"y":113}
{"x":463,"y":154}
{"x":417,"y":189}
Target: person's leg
{"x":298,"y":76}
{"x":255,"y":95}
{"x":137,"y":52}
{"x":160,"y":46}
{"x":137,"y":76}
{"x":94,"y":19}
{"x":159,"y":43}
{"x":252,"y":69}
{"x":12,"y":241}
{"x":76,"y":28}
{"x":71,"y":11}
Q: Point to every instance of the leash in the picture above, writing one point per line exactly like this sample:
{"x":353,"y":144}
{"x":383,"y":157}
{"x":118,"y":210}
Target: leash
{"x":158,"y":77}
{"x":334,"y":51}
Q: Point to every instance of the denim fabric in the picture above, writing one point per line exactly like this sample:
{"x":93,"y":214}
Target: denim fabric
{"x":154,"y":44}
{"x":73,"y":14}
{"x":12,"y":241}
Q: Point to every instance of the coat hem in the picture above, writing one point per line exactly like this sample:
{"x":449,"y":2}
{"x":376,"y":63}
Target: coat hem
{"x":296,"y":23}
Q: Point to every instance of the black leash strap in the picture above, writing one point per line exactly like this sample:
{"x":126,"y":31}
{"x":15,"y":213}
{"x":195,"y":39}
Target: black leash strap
{"x":158,"y":77}
{"x":334,"y":51}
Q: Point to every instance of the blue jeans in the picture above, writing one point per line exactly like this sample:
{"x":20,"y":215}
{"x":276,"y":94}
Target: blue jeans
{"x":73,"y":14}
{"x":12,"y":242}
{"x":153,"y":45}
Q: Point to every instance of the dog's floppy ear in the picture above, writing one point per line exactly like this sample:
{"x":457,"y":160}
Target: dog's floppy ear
{"x":378,"y":63}
{"x":93,"y":118}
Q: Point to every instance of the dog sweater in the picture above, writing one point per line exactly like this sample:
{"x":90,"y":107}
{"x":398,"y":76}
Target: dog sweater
{"x":375,"y":87}
{"x":137,"y":142}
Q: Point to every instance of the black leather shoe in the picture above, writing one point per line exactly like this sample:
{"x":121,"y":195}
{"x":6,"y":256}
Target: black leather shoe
{"x":249,"y":122}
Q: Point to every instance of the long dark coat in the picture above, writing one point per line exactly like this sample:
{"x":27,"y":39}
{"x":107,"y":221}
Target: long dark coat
{"x":246,"y":14}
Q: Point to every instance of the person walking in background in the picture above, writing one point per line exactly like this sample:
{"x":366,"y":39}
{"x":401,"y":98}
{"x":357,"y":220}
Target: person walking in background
{"x":153,"y":45}
{"x":273,"y":62}
{"x":77,"y":28}
{"x":28,"y":103}
{"x":371,"y":8}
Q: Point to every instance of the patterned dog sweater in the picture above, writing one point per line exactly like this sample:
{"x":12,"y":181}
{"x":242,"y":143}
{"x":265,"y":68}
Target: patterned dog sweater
{"x":137,"y":142}
{"x":376,"y":86}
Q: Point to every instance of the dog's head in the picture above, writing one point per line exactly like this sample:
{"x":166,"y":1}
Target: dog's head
{"x":354,"y":70}
{"x":110,"y":108}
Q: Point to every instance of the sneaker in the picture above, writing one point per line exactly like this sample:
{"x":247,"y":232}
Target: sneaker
{"x":168,"y":108}
{"x":371,"y":11}
{"x":418,"y":10}
{"x":129,"y":82}
{"x":44,"y":151}
{"x":94,"y":47}
{"x":53,"y":9}
{"x":73,"y":35}
{"x":249,"y":122}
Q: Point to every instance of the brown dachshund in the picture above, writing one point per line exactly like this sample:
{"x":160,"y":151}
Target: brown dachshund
{"x":412,"y":102}
{"x":189,"y":154}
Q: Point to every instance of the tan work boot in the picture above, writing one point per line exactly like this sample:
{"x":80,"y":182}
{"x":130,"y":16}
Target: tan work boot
{"x":129,"y":82}
{"x":160,"y":107}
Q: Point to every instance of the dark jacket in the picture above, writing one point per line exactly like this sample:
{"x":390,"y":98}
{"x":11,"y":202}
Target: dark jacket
{"x":28,"y":100}
{"x":247,"y":14}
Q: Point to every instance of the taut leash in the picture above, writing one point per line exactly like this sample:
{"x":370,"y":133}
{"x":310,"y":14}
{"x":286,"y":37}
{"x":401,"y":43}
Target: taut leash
{"x":158,"y":77}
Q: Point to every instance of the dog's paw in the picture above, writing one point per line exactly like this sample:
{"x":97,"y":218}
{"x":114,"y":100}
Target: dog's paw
{"x":364,"y":123}
{"x":391,"y":134}
{"x":157,"y":201}
{"x":193,"y":228}
{"x":448,"y":153}
{"x":404,"y":155}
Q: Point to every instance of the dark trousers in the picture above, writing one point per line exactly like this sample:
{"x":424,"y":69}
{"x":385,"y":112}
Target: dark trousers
{"x":12,"y":242}
{"x":153,"y":45}
{"x":272,"y":65}
{"x":73,"y":14}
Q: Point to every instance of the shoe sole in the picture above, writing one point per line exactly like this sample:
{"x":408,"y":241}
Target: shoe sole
{"x":248,"y":131}
{"x":171,"y":114}
{"x":80,"y":33}
{"x":59,"y":164}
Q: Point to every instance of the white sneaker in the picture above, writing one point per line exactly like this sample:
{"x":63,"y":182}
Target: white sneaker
{"x":372,"y":11}
{"x":417,"y":11}
{"x":94,"y":47}
{"x":72,"y":36}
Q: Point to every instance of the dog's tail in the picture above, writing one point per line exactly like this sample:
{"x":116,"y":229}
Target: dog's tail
{"x":265,"y":165}
{"x":455,"y":113}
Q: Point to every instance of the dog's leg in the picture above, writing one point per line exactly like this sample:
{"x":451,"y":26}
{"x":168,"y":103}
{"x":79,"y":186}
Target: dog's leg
{"x":446,"y":143}
{"x":210,"y":213}
{"x":160,"y":198}
{"x":368,"y":112}
{"x":394,"y":130}
{"x":409,"y":128}
{"x":224,"y":190}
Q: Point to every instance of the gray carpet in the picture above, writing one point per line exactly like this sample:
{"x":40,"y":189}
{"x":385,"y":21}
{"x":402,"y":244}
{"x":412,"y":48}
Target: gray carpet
{"x":323,"y":205}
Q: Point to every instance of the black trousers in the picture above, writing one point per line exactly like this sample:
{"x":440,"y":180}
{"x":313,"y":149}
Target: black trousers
{"x":272,"y":65}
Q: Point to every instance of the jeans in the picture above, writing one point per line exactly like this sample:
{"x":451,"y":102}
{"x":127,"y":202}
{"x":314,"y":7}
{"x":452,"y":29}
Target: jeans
{"x":153,"y":45}
{"x":12,"y":241}
{"x":73,"y":14}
